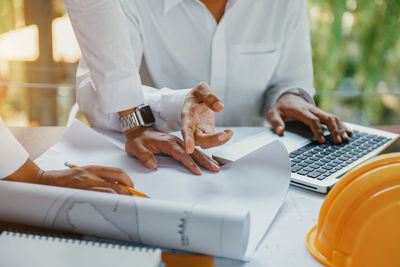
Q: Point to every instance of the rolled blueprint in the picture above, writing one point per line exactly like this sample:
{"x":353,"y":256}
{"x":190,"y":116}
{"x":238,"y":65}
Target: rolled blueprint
{"x":194,"y":228}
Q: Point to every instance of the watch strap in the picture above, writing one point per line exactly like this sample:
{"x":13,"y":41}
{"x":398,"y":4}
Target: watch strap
{"x":129,"y":121}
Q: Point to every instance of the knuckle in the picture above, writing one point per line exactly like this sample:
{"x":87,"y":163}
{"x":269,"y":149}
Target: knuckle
{"x":119,"y":170}
{"x":82,"y":171}
{"x":203,"y":85}
{"x":169,"y":141}
{"x":314,"y":121}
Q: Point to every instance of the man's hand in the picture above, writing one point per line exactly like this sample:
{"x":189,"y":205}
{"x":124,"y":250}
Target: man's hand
{"x":94,"y":178}
{"x":143,"y":143}
{"x":290,"y":107}
{"x":198,"y":119}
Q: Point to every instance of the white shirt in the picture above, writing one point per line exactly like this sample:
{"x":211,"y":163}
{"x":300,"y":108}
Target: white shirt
{"x":259,"y":50}
{"x":12,"y":154}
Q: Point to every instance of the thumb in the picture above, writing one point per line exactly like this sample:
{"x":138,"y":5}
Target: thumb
{"x":276,"y":121}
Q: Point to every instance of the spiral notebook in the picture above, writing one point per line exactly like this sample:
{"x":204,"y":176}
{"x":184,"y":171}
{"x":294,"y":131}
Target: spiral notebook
{"x":22,"y":250}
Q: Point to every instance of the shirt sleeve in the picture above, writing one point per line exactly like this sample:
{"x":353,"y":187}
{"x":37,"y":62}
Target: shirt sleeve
{"x":12,"y":154}
{"x":166,"y":105}
{"x":294,"y":72}
{"x":103,"y":35}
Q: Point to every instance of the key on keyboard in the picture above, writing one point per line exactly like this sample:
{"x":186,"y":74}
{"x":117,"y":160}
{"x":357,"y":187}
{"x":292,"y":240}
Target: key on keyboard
{"x":319,"y":161}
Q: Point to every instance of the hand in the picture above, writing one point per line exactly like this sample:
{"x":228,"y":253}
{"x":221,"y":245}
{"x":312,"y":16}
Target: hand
{"x":291,"y":107}
{"x":94,"y":178}
{"x":198,"y":119}
{"x":143,"y":143}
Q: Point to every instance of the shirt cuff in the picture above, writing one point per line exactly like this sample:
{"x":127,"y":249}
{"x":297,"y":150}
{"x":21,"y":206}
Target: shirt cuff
{"x":303,"y":93}
{"x":167,"y":105}
{"x":14,"y":154}
{"x":121,"y":95}
{"x":272,"y":97}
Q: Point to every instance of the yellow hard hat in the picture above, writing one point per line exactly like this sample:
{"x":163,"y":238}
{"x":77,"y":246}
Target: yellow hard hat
{"x":359,"y":221}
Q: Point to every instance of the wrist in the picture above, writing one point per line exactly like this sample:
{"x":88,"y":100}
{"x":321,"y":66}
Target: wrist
{"x":289,"y":95}
{"x":134,"y":132}
{"x":29,"y":172}
{"x":124,"y":113}
{"x":137,"y":132}
{"x":133,"y":119}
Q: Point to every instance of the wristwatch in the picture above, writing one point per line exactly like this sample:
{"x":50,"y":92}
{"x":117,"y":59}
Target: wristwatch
{"x":142,"y":116}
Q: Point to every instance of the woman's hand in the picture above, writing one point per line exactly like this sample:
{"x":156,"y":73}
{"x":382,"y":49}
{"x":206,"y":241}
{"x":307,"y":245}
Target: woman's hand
{"x":94,"y":178}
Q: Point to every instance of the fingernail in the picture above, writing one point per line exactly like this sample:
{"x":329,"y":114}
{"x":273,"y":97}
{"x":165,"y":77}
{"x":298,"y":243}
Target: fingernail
{"x":218,"y":105}
{"x":151,"y":163}
{"x":323,"y":140}
{"x":279,"y":130}
{"x":198,"y":171}
{"x":223,"y":137}
{"x":346,"y":137}
{"x":339,"y":138}
{"x":189,"y":150}
{"x":215,"y":165}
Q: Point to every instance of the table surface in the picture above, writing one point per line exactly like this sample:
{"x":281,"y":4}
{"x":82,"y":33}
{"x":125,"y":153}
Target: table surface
{"x":284,"y":242}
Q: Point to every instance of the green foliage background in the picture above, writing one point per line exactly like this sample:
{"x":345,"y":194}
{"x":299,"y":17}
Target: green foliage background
{"x":356,"y":55}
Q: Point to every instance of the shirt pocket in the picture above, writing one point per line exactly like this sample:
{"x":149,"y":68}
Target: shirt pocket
{"x":252,"y":65}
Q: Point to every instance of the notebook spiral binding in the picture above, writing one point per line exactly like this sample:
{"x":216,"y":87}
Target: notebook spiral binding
{"x":55,"y":238}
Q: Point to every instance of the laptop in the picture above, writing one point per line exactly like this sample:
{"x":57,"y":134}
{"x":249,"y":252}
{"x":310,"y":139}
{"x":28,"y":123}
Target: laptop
{"x":314,"y":166}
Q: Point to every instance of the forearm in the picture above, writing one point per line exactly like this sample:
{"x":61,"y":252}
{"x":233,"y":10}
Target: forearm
{"x":29,"y":172}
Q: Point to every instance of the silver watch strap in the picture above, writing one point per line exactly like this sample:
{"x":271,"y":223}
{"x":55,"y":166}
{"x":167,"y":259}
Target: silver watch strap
{"x":129,"y":121}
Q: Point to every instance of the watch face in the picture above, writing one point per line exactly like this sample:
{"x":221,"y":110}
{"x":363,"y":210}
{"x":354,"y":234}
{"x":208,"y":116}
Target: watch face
{"x":147,"y":114}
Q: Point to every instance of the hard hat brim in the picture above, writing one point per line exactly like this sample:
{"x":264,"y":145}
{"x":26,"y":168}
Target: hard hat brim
{"x":311,"y":240}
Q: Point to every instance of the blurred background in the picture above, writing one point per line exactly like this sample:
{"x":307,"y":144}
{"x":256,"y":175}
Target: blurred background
{"x":356,"y":54}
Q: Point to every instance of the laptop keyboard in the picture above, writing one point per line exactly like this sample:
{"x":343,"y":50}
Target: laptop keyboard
{"x":319,"y":161}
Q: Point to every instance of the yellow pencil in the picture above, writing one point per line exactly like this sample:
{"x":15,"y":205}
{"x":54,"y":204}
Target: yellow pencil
{"x":132,"y":191}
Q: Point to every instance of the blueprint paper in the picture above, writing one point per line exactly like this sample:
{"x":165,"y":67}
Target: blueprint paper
{"x":153,"y":222}
{"x":255,"y":184}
